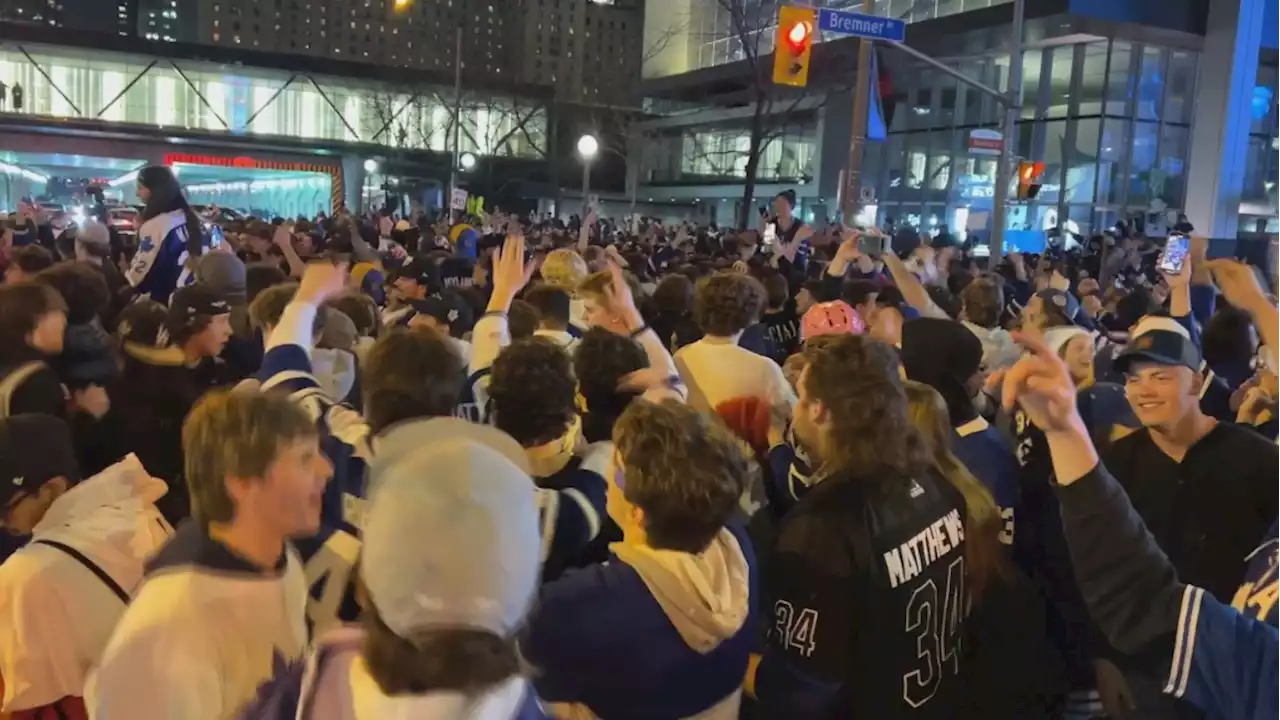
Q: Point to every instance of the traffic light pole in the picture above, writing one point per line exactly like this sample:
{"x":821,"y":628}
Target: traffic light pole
{"x":1008,"y":128}
{"x":1010,"y":102}
{"x":850,"y":200}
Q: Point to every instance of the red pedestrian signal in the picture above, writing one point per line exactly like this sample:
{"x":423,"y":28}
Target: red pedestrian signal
{"x":1029,"y":179}
{"x":798,"y":36}
{"x":793,"y":45}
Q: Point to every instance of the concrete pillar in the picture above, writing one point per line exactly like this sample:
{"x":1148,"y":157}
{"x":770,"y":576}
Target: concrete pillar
{"x":353,"y":175}
{"x":1220,"y":130}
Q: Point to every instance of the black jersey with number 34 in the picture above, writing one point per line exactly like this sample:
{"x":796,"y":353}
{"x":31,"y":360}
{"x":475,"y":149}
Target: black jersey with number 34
{"x":870,"y":596}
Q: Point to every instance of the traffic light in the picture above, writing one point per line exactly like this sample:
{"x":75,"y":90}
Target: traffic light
{"x":1029,"y":179}
{"x":793,"y":45}
{"x":401,"y":5}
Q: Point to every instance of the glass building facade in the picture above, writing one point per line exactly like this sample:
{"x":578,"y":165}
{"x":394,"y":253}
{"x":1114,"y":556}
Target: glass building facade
{"x":719,"y":154}
{"x":1259,"y":206}
{"x":713,"y":40}
{"x":248,"y":102}
{"x":1110,"y":119}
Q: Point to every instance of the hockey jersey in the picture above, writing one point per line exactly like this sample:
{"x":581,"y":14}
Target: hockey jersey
{"x":160,"y":265}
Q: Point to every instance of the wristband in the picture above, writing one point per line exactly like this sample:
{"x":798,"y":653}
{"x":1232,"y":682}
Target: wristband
{"x":639,"y":331}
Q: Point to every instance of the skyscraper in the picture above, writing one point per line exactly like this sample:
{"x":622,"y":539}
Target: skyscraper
{"x":115,"y":16}
{"x":589,"y":50}
{"x":164,"y":20}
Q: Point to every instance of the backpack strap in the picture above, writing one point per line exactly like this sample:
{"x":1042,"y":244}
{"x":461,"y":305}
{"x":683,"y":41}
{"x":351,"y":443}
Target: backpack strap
{"x":13,"y":381}
{"x":90,"y":565}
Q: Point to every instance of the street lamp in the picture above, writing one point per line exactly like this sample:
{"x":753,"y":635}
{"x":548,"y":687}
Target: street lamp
{"x":371,"y":165}
{"x":467,"y":161}
{"x":587,"y":148}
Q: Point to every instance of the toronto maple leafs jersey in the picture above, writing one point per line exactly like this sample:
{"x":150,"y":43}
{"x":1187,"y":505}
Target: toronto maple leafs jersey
{"x":205,"y":629}
{"x":329,"y":558}
{"x":159,"y":266}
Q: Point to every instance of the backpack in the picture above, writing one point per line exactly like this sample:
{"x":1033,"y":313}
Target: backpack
{"x":13,"y":381}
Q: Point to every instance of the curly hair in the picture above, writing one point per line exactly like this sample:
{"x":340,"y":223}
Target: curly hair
{"x":856,"y":379}
{"x":727,"y":302}
{"x":982,"y":302}
{"x":684,"y":469}
{"x":564,"y":268}
{"x":409,"y":374}
{"x":533,"y":391}
{"x":81,"y":285}
{"x":602,"y":359}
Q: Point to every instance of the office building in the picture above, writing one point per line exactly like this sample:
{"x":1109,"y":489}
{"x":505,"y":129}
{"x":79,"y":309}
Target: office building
{"x":118,"y":16}
{"x":589,"y":50}
{"x":1137,"y":111}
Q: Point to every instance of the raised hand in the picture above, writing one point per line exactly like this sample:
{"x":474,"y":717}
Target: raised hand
{"x":510,"y":272}
{"x":1041,"y":385}
{"x":321,"y":281}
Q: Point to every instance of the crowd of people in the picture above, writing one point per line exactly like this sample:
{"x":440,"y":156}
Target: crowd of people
{"x":510,"y":467}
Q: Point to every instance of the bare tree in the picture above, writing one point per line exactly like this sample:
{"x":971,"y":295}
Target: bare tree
{"x":409,"y":120}
{"x":749,"y":22}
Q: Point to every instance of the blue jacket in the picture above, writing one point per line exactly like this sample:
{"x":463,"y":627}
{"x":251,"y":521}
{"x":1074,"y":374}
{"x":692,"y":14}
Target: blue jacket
{"x":1224,"y":663}
{"x":601,"y":637}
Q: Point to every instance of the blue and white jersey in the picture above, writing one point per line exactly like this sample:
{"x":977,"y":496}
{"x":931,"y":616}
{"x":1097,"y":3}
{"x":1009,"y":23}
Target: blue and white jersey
{"x":329,"y":558}
{"x":1223,"y":662}
{"x":159,"y":266}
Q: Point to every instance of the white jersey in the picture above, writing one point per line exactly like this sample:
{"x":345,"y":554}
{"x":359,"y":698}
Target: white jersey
{"x":202,"y":634}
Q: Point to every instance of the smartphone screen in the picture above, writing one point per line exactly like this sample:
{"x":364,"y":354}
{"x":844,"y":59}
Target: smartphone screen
{"x":1175,"y":255}
{"x":873,"y":245}
{"x":770,"y":234}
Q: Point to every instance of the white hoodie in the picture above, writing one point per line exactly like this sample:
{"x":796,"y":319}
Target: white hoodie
{"x":55,"y":614}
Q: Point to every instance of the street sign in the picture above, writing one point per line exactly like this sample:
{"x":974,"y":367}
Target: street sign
{"x":458,"y":199}
{"x":867,"y":194}
{"x":874,"y":27}
{"x":985,"y":142}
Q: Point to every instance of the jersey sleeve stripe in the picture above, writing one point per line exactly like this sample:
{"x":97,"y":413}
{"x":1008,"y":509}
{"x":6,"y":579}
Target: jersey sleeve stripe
{"x":297,"y":380}
{"x":549,"y":508}
{"x":588,"y":512}
{"x":1185,"y":642}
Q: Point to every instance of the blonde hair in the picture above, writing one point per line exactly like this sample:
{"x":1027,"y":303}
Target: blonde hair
{"x":564,"y":268}
{"x":235,"y":434}
{"x":984,"y":556}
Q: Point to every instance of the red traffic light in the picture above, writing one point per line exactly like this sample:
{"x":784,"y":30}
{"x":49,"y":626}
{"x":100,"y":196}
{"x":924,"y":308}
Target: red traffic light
{"x":1030,"y":171}
{"x":798,"y":36}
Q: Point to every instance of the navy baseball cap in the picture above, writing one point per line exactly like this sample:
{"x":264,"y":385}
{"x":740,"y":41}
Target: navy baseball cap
{"x":34,"y":449}
{"x":1163,"y":347}
{"x":1063,"y":301}
{"x":423,"y":271}
{"x":448,"y":308}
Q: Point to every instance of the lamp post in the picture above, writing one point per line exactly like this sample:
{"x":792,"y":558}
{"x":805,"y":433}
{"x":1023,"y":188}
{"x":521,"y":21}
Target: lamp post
{"x":467,"y":161}
{"x":371,"y":167}
{"x":587,"y":148}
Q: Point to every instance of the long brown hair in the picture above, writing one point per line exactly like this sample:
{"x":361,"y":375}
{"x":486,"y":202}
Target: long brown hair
{"x":983,"y":554}
{"x":856,"y":379}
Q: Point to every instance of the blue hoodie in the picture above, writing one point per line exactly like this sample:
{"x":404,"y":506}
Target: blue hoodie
{"x":649,"y":634}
